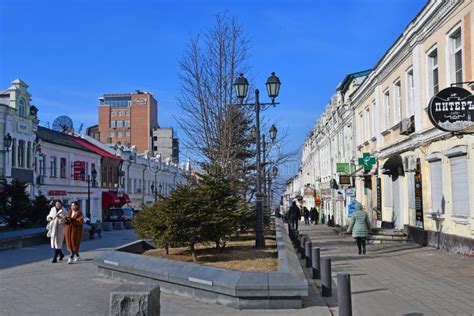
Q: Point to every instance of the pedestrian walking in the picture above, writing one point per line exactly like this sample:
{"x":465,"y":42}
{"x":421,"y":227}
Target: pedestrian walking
{"x":74,"y":221}
{"x":312,"y":216}
{"x":56,"y":220}
{"x":295,"y":214}
{"x":359,"y":227}
{"x":317,"y":216}
{"x":306,"y":215}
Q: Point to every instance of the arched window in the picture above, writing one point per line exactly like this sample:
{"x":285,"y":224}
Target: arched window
{"x":22,"y":107}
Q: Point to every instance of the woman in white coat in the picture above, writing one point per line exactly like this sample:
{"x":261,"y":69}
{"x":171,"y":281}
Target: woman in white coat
{"x":56,"y":219}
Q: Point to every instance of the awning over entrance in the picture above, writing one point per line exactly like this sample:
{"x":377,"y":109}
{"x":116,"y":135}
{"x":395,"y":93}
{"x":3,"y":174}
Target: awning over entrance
{"x":124,"y":199}
{"x":394,"y":166}
{"x":110,"y":199}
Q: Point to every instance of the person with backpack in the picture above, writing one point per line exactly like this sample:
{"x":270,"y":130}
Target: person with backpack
{"x":360,"y":226}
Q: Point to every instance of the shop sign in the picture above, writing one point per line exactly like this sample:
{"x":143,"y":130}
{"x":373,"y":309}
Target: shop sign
{"x":379,"y":202}
{"x":452,"y":109}
{"x":366,"y":161}
{"x":344,"y":179}
{"x":418,"y":201}
{"x":326,"y":192}
{"x":140,"y":101}
{"x":79,"y":170}
{"x":57,"y":193}
{"x":345,"y":167}
{"x":22,"y":127}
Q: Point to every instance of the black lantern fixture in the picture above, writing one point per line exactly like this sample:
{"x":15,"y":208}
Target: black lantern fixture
{"x":253,"y":132}
{"x":273,"y":133}
{"x":152,"y":188}
{"x":273,"y":86}
{"x":241,"y":87}
{"x":94,"y":174}
{"x":274,"y":171}
{"x":7,"y":141}
{"x":160,"y":187}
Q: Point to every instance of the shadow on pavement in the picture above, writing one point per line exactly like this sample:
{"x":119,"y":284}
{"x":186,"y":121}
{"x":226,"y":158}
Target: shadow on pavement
{"x":26,"y":255}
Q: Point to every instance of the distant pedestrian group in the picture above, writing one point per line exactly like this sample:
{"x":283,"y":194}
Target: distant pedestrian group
{"x":67,"y":225}
{"x":298,"y":210}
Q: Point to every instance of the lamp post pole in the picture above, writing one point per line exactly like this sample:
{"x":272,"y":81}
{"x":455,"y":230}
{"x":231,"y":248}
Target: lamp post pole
{"x":88,"y":205}
{"x":273,"y":87}
{"x":260,"y":238}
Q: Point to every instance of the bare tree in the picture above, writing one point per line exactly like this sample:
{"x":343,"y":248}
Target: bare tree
{"x":216,"y":128}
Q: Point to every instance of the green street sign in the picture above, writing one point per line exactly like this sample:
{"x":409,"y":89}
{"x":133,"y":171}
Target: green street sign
{"x":342,"y":167}
{"x":345,"y":167}
{"x":366,"y":161}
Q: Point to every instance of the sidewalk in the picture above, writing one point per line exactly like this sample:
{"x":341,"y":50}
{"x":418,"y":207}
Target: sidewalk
{"x":398,"y":279}
{"x":31,"y":285}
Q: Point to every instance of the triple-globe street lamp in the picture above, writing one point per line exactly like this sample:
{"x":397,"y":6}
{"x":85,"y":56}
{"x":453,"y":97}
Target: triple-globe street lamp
{"x":273,"y":89}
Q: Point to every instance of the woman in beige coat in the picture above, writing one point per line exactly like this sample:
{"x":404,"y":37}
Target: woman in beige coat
{"x":56,"y":219}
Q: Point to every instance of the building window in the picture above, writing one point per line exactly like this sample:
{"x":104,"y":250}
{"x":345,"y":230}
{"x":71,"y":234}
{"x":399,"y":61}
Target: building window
{"x":22,"y":107}
{"x":119,"y":134}
{"x":53,"y":164}
{"x":127,"y":123}
{"x":41,"y":159}
{"x":460,"y":185}
{"x":14,"y":153}
{"x":28,"y":155}
{"x":113,"y":124}
{"x":21,"y":153}
{"x":62,"y":168}
{"x":111,"y":134}
{"x":397,"y":113}
{"x":455,"y":56}
{"x":127,"y":113}
{"x":127,"y":133}
{"x":410,"y":93}
{"x":112,"y":113}
{"x":119,"y":123}
{"x":438,"y":201}
{"x":119,"y":113}
{"x":372,"y":123}
{"x":386,"y":108}
{"x":433,"y":72}
{"x":367,"y":123}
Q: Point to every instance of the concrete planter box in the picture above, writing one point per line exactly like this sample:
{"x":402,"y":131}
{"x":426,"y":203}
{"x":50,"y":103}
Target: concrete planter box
{"x":107,"y":226}
{"x":237,"y":289}
{"x":118,"y":226}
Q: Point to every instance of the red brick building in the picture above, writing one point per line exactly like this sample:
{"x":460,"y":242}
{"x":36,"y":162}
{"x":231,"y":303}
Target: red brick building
{"x":128,"y":119}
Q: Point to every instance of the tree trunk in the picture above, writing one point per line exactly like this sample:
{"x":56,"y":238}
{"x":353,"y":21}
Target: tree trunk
{"x":193,"y":253}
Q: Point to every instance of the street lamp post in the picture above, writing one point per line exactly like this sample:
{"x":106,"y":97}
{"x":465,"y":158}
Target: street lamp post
{"x":88,"y":205}
{"x":153,"y":190}
{"x":273,"y":88}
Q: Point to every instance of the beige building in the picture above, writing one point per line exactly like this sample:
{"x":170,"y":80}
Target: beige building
{"x":422,"y":170}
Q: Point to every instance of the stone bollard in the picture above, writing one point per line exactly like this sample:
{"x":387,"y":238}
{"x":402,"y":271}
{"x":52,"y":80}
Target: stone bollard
{"x":106,"y":226}
{"x":302,"y":245}
{"x":307,"y":251}
{"x":298,"y":242}
{"x":344,"y":299}
{"x":118,"y":226}
{"x":315,"y":263}
{"x":135,"y":299}
{"x":326,"y":281}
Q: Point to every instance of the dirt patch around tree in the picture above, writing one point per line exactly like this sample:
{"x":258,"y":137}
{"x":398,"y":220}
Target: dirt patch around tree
{"x":239,"y":254}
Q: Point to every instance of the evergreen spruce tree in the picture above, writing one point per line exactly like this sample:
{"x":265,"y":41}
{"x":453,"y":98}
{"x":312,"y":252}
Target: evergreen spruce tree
{"x":18,"y":206}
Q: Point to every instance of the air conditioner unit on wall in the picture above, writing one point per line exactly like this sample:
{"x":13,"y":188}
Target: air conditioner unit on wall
{"x":407,"y":126}
{"x":409,"y":164}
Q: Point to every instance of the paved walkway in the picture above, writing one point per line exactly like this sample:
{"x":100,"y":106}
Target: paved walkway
{"x":31,"y":285}
{"x":389,"y":280}
{"x":398,"y":279}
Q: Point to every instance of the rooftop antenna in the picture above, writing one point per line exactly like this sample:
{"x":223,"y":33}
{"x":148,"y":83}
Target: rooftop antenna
{"x":80,"y":128}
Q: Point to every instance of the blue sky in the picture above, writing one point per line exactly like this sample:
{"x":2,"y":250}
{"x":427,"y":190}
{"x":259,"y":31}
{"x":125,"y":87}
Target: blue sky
{"x":71,"y":52}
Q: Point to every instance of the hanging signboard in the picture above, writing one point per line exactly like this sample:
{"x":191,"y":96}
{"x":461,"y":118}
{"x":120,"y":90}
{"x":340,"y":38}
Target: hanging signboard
{"x":343,"y":179}
{"x":379,"y":202}
{"x":366,"y":161}
{"x":418,"y":201}
{"x":452,"y":109}
{"x":79,"y":170}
